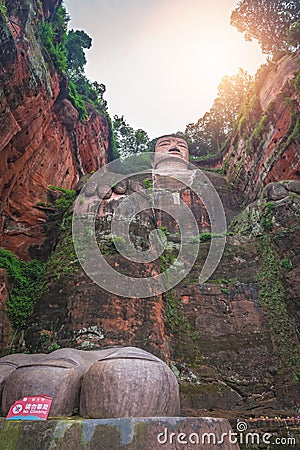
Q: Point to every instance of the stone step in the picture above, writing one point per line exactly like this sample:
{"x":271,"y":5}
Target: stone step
{"x":150,"y":433}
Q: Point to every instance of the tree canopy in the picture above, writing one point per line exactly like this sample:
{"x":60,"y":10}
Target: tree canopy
{"x":127,"y":139}
{"x":76,"y":42}
{"x":209,"y":133}
{"x":272,"y":22}
{"x":67,"y":52}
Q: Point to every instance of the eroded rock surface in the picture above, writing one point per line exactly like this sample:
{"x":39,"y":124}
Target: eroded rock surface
{"x":264,"y":147}
{"x":42,"y":140}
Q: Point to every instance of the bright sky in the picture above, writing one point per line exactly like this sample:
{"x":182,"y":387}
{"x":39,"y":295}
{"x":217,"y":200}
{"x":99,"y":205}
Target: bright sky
{"x":161,"y":60}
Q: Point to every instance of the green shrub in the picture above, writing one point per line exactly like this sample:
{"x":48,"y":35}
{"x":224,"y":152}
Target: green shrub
{"x":148,"y":184}
{"x":62,"y":214}
{"x":77,"y":101}
{"x":286,"y":264}
{"x":272,"y":299}
{"x":3,"y":10}
{"x":53,"y":35}
{"x":53,"y":347}
{"x":24,"y":278}
{"x":164,"y":230}
{"x":202,"y":237}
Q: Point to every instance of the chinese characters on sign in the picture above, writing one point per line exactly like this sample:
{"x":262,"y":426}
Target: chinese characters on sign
{"x":30,"y":408}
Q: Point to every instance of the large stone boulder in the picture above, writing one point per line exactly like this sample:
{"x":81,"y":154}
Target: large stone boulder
{"x":129,"y":382}
{"x":275,"y":191}
{"x":292,"y":185}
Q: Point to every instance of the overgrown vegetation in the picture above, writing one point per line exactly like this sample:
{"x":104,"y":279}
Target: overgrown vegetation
{"x":24,"y":277}
{"x":62,"y":215}
{"x":272,"y":296}
{"x":66,"y":51}
{"x":187,"y":339}
{"x":254,"y":125}
{"x":173,"y":310}
{"x":164,"y":230}
{"x":202,"y":237}
{"x":294,"y":131}
{"x":53,"y":35}
{"x":129,"y":141}
{"x":63,"y":260}
{"x":52,"y":347}
{"x":209,"y":134}
{"x":274,"y":23}
{"x":77,"y":101}
{"x":167,"y":259}
{"x":267,"y":216}
{"x":205,"y":237}
{"x":276,"y":26}
{"x":3,"y":10}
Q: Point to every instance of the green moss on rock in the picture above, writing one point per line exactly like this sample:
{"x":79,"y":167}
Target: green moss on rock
{"x":272,"y":298}
{"x":25,"y":278}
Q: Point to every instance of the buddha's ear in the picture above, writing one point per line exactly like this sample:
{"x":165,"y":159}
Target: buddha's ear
{"x":152,"y":160}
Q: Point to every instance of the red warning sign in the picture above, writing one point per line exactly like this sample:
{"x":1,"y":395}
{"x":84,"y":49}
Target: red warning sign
{"x":30,"y":408}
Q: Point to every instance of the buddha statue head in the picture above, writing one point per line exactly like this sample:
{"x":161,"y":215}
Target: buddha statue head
{"x":171,"y":151}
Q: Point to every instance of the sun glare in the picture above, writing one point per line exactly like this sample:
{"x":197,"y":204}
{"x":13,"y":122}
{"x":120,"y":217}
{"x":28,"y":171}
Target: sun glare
{"x":172,"y":54}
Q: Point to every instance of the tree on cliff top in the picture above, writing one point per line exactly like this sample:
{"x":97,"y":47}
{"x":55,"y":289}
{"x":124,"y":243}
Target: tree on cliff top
{"x":76,"y":42}
{"x":268,"y":21}
{"x":66,"y":50}
{"x":209,"y":133}
{"x":92,"y":92}
{"x":127,"y":139}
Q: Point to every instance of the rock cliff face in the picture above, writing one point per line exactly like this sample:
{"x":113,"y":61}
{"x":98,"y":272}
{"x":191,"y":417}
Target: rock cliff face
{"x":231,"y":341}
{"x":265,"y":146}
{"x":42,"y":140}
{"x":97,"y":318}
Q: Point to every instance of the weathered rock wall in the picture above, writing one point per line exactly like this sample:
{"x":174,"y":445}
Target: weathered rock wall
{"x":121,"y":433}
{"x":231,"y":341}
{"x":42,"y":141}
{"x":264,"y":147}
{"x":96,"y":318}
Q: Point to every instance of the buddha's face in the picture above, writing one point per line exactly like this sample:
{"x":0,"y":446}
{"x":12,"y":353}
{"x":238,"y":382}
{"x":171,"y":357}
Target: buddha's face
{"x":171,"y":146}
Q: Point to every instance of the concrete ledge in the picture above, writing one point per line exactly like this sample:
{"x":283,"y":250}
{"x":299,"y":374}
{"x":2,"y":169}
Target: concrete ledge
{"x":132,"y":434}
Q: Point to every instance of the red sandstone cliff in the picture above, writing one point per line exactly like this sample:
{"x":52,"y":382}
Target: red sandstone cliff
{"x":222,"y":336}
{"x":267,"y":148}
{"x":265,"y":145}
{"x":42,"y":142}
